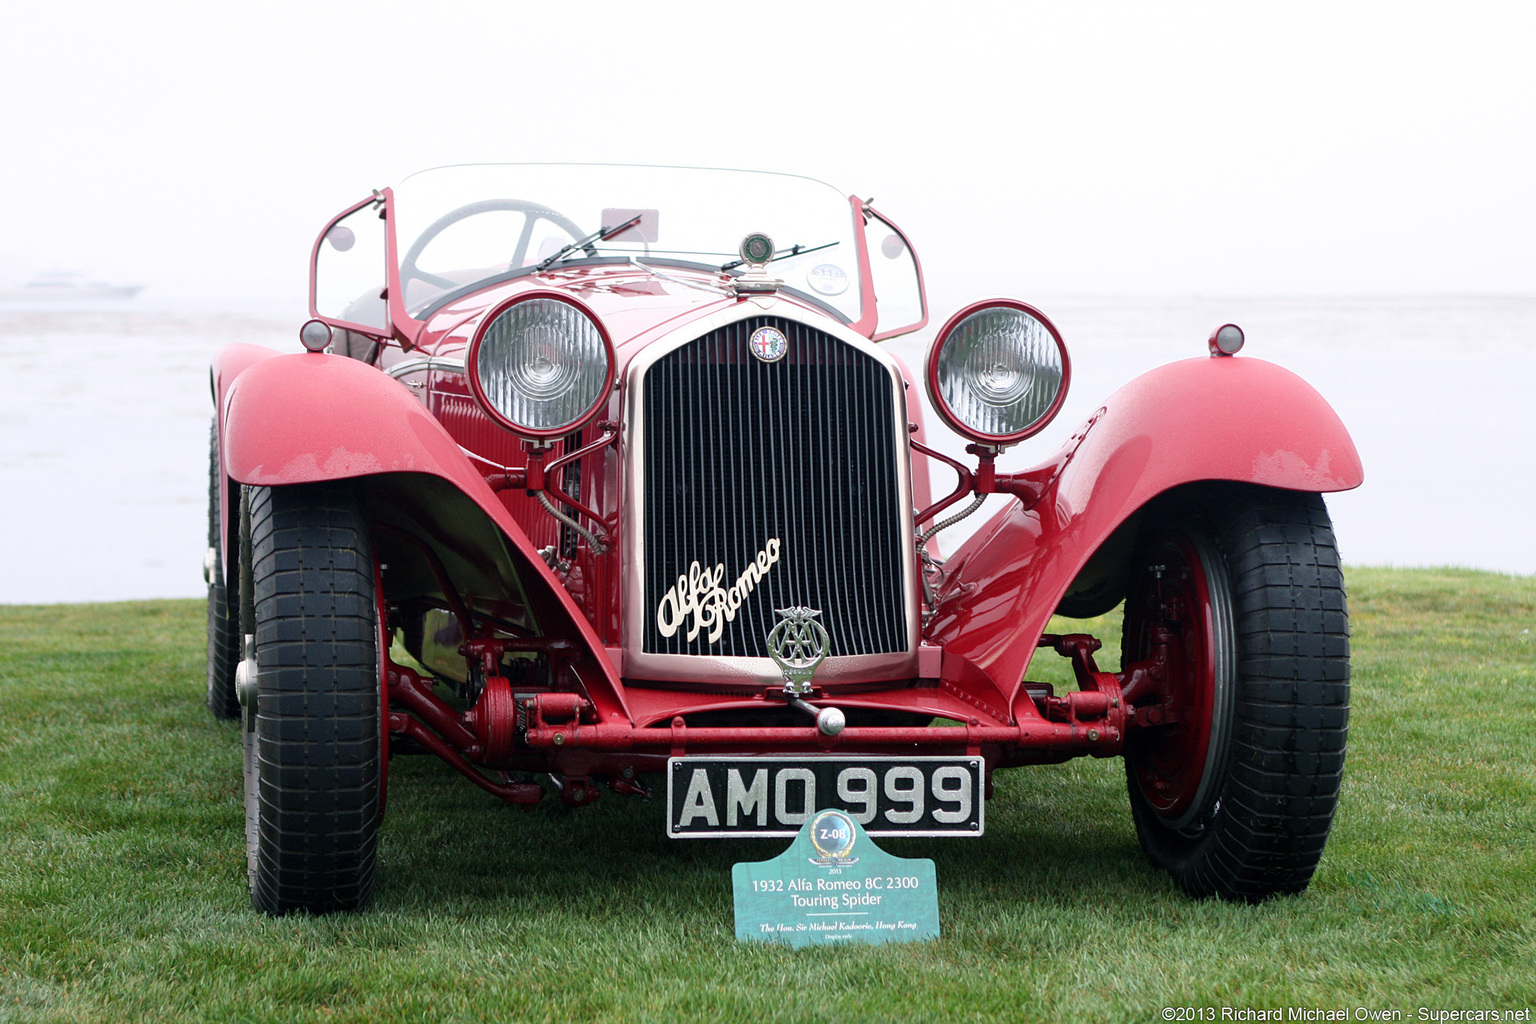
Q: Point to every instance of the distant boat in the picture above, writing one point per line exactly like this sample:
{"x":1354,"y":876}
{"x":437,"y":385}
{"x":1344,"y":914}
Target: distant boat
{"x":60,"y":286}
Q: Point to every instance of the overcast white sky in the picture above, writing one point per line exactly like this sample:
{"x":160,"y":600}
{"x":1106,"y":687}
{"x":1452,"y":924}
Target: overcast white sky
{"x":1177,"y":152}
{"x":1029,"y":148}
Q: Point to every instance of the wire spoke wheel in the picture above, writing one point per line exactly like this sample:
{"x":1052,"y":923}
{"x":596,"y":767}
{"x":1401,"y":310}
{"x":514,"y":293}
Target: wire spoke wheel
{"x":1233,"y":789}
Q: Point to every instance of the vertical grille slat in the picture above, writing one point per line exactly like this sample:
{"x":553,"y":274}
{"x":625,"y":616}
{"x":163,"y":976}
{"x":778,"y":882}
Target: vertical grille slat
{"x":738,"y":451}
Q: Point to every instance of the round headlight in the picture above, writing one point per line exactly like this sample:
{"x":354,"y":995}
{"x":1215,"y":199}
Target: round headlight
{"x":542,"y":366}
{"x":998,"y":372}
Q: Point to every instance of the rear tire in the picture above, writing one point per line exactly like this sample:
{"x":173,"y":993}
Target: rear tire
{"x":223,"y":620}
{"x":1236,"y":798}
{"x":313,"y":761}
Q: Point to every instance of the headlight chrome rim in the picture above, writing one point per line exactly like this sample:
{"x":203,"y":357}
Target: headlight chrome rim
{"x":936,"y":390}
{"x":539,"y":432}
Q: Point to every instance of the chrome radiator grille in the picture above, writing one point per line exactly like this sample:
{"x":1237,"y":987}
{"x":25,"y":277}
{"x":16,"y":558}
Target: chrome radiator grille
{"x":739,"y":453}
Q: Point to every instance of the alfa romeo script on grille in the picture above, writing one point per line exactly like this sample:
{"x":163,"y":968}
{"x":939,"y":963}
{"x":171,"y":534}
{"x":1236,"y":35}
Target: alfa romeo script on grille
{"x":760,"y":796}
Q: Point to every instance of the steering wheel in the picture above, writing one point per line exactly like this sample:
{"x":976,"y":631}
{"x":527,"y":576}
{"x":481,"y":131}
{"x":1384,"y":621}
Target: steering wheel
{"x":409,"y":271}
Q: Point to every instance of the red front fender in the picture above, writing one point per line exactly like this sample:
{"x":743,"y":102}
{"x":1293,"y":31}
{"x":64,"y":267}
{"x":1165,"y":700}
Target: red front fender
{"x":295,"y":419}
{"x":1230,"y":419}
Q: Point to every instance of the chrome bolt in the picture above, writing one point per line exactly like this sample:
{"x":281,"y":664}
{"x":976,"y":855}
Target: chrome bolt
{"x":831,"y":721}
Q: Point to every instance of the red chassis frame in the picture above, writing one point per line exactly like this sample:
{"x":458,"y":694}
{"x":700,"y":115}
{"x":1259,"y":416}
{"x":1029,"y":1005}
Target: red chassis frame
{"x":291,"y":419}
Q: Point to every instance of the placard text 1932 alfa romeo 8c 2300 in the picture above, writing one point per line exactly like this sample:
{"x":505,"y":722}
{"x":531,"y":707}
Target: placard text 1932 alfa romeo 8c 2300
{"x":615,"y":455}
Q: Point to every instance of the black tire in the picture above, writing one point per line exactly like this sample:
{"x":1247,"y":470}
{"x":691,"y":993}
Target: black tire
{"x":223,"y":620}
{"x":1241,"y":811}
{"x":314,"y":749}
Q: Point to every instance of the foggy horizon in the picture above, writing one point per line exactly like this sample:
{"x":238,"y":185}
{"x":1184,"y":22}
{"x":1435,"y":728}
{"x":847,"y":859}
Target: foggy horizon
{"x":1097,"y":149}
{"x":1140,"y":173}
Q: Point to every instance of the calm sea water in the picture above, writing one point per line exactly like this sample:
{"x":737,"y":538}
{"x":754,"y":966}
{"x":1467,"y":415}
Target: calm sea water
{"x":103,"y":431}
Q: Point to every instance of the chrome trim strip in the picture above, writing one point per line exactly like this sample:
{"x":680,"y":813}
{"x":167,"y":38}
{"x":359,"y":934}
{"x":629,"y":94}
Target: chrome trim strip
{"x":416,"y":364}
{"x":745,"y":671}
{"x":717,"y":288}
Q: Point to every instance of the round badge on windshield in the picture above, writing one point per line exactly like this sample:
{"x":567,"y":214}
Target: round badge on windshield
{"x":827,"y":278}
{"x":768,"y":344}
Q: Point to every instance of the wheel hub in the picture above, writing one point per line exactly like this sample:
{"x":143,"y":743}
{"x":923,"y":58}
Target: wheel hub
{"x":1183,"y":628}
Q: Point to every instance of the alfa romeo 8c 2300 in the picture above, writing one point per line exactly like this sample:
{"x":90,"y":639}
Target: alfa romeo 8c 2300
{"x":598,"y":478}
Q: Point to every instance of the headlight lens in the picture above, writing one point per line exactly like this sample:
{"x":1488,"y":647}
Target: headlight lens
{"x":998,"y":372}
{"x":542,"y":366}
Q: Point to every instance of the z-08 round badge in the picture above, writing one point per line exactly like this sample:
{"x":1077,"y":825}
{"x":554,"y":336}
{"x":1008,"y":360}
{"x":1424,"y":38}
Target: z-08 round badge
{"x":768,"y":344}
{"x":832,"y":834}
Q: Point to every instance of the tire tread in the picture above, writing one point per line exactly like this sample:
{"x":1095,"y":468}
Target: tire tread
{"x":317,"y":721}
{"x":1292,"y":706}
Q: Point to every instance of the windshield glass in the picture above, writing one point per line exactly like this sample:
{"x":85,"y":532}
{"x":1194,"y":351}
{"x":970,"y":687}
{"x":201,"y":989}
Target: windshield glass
{"x":462,"y":224}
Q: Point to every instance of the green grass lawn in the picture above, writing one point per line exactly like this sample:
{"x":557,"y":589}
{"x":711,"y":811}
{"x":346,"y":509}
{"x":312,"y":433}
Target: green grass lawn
{"x":122,"y":871}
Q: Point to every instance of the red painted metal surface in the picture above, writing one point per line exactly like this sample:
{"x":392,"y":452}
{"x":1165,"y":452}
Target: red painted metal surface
{"x":1033,"y":734}
{"x":303,"y":418}
{"x":635,"y":307}
{"x":965,"y":483}
{"x":231,"y":361}
{"x":290,"y":419}
{"x":650,"y":706}
{"x":306,"y":418}
{"x":300,"y":418}
{"x":1232,"y":419}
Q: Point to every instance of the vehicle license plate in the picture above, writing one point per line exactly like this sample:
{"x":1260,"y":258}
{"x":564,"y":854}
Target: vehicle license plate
{"x":766,"y":797}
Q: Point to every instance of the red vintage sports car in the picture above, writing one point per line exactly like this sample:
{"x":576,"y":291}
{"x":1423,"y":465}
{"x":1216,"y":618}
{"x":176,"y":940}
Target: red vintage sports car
{"x":596,"y":476}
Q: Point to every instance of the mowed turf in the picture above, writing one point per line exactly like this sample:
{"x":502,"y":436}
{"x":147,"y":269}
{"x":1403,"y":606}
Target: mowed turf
{"x":122,"y":870}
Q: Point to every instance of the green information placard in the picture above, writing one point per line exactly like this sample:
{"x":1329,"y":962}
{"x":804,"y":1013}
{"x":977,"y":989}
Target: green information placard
{"x":834,"y":885}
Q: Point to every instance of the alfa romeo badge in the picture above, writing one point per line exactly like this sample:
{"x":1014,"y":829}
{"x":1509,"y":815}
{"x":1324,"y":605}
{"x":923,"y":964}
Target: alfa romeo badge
{"x":768,"y":344}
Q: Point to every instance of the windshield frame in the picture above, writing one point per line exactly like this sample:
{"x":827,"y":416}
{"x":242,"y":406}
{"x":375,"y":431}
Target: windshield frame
{"x":857,"y":309}
{"x":375,"y":198}
{"x":692,"y":200}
